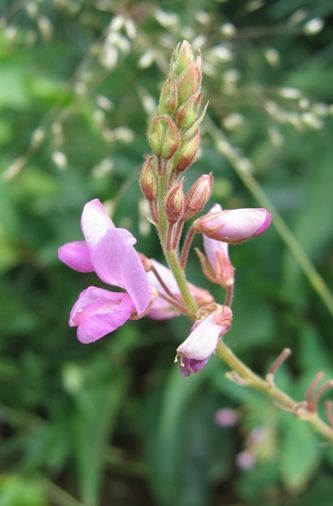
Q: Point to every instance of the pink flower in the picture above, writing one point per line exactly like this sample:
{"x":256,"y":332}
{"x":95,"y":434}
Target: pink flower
{"x":233,"y":226}
{"x":108,"y":251}
{"x":98,"y":312}
{"x":217,"y":266}
{"x":196,"y":350}
{"x":161,"y":308}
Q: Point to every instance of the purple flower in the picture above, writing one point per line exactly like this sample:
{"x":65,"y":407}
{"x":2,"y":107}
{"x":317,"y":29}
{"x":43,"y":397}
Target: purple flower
{"x":233,"y":226}
{"x":108,"y":251}
{"x":196,"y":350}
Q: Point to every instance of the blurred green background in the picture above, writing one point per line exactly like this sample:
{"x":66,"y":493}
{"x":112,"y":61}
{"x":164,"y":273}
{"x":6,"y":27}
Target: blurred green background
{"x":114,"y":423}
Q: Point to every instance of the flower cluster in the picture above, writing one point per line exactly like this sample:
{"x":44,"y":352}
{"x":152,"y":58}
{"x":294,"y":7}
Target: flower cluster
{"x":149,"y":288}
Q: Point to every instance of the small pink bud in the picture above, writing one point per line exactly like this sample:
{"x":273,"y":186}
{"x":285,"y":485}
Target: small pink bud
{"x":174,"y":203}
{"x":186,"y":153}
{"x":234,"y":226}
{"x":148,"y":179}
{"x":163,"y":136}
{"x":198,"y":195}
{"x":188,"y":112}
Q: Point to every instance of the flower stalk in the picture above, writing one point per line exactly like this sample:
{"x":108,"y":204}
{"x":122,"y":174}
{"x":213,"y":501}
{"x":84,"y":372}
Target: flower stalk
{"x":160,"y":292}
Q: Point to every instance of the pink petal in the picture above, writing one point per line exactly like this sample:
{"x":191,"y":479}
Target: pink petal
{"x":98,"y":312}
{"x":162,"y":310}
{"x":76,"y":256}
{"x":95,"y":222}
{"x":117,"y":263}
{"x":167,"y":277}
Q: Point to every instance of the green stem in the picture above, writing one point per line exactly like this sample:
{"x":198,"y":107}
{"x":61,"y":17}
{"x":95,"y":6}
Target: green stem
{"x":179,"y":273}
{"x":248,"y":378}
{"x":172,"y":255}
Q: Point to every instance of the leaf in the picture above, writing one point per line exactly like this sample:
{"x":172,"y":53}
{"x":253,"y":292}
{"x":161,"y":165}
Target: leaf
{"x":165,"y":434}
{"x":299,"y":454}
{"x":98,"y":403}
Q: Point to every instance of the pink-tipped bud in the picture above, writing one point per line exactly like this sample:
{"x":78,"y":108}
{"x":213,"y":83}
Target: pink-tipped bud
{"x":169,"y":98}
{"x":174,"y":203}
{"x":198,"y":195}
{"x":163,"y":136}
{"x":182,"y":57}
{"x":148,"y":179}
{"x":188,"y":112}
{"x":187,"y":153}
{"x":234,"y":226}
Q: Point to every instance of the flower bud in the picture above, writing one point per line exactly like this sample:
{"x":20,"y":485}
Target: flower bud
{"x":234,"y":226}
{"x":188,"y":112}
{"x":186,"y":153}
{"x":197,"y":196}
{"x":182,"y":57}
{"x":148,"y":179}
{"x":163,"y":136}
{"x":187,"y":84}
{"x":169,"y":98}
{"x":174,"y":203}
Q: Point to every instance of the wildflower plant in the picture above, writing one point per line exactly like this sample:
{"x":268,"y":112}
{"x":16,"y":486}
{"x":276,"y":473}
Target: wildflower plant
{"x":163,"y":291}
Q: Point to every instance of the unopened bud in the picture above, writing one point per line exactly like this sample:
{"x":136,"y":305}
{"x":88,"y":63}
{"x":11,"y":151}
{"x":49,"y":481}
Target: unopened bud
{"x":148,"y":179}
{"x":174,"y":203}
{"x":187,"y":153}
{"x":234,"y":226}
{"x":197,"y":196}
{"x":188,"y":83}
{"x":188,"y":112}
{"x":169,"y":98}
{"x":163,"y":136}
{"x":182,"y":57}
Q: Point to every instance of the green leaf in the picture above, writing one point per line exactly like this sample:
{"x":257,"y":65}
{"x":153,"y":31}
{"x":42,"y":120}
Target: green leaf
{"x":299,"y":454}
{"x":98,"y":402}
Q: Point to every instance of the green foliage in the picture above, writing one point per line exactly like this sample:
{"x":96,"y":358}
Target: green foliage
{"x":113,"y":422}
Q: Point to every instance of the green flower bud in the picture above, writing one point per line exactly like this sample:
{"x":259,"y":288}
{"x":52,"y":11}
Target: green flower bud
{"x":188,"y":112}
{"x":186,"y":153}
{"x":189,"y":81}
{"x":169,"y":98}
{"x":174,"y":203}
{"x":198,"y":195}
{"x":148,"y":179}
{"x":182,"y":57}
{"x":163,"y":136}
